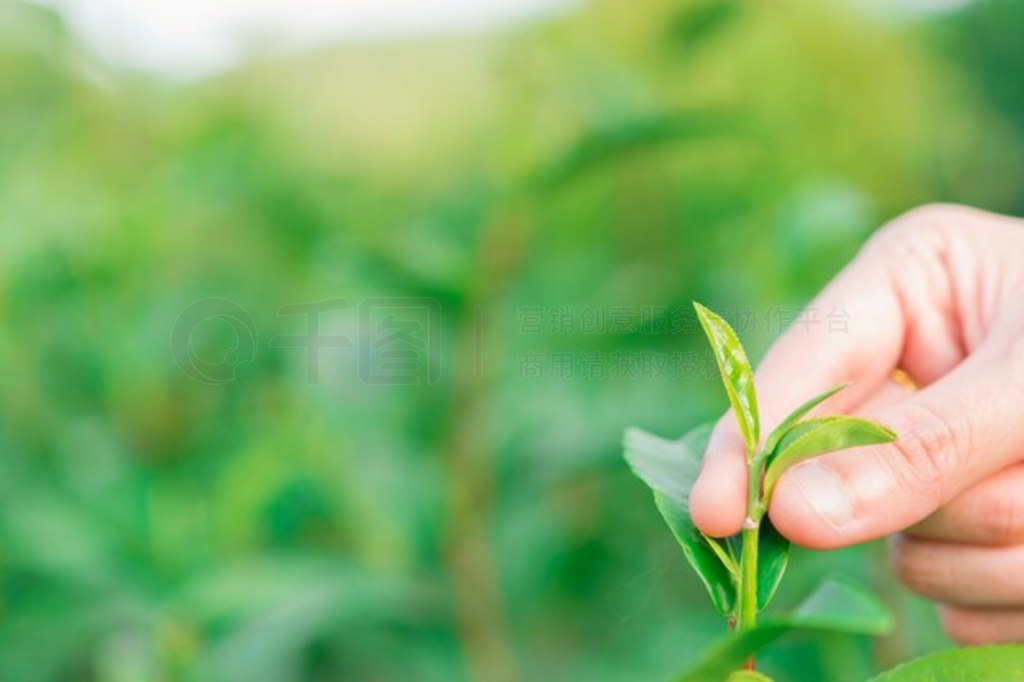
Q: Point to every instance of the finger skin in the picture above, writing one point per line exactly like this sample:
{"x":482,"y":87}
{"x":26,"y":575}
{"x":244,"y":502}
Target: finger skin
{"x":961,"y":575}
{"x":990,"y":512}
{"x":975,"y":627}
{"x":889,"y":393}
{"x":718,"y":499}
{"x":952,"y":434}
{"x":924,"y":295}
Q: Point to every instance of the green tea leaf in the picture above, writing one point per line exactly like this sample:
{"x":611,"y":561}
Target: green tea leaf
{"x":796,"y":415}
{"x":731,"y":651}
{"x":748,"y":676}
{"x":841,"y":605}
{"x":772,"y":558}
{"x":1004,"y":663}
{"x":836,"y":606}
{"x":669,"y":468}
{"x":817,"y":436}
{"x":736,"y":373}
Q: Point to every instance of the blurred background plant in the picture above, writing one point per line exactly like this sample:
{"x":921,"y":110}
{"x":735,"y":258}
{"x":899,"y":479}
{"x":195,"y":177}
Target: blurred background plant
{"x":560,"y":188}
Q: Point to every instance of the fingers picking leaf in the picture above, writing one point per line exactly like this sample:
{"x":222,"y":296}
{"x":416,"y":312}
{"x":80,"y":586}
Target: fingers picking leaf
{"x":796,"y":415}
{"x":670,"y":468}
{"x":736,"y":373}
{"x":817,"y":436}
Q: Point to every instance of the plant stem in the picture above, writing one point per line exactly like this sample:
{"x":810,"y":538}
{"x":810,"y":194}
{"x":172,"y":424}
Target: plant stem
{"x":748,"y":560}
{"x":748,"y":581}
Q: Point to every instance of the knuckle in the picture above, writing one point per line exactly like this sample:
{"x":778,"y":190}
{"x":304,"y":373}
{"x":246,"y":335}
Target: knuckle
{"x":929,"y":448}
{"x":919,"y":230}
{"x":935,"y":216}
{"x":1000,"y":518}
{"x":965,"y":627}
{"x":920,"y":570}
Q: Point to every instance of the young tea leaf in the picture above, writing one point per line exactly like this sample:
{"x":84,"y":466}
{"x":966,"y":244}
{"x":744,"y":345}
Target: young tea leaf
{"x":669,"y":468}
{"x":816,"y":437}
{"x":736,"y":373}
{"x":836,"y":606}
{"x":724,"y":555}
{"x":796,"y":415}
{"x":1004,"y":663}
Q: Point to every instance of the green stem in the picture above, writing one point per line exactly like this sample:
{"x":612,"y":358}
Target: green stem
{"x":747,"y":616}
{"x":748,"y":581}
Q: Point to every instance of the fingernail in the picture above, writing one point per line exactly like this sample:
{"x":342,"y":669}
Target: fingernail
{"x":824,"y":492}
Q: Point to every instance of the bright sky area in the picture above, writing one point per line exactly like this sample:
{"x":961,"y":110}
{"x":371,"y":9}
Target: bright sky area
{"x":186,"y":39}
{"x":192,"y":38}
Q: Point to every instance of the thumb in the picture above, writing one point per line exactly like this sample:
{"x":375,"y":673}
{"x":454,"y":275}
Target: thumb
{"x":951,"y":434}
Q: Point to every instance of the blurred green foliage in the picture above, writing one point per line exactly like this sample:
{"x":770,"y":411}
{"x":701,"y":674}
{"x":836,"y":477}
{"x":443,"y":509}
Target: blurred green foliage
{"x":630,"y":156}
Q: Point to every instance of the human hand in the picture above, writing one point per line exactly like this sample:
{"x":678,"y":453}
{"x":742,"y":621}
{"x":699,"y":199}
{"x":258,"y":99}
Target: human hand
{"x":939,"y":293}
